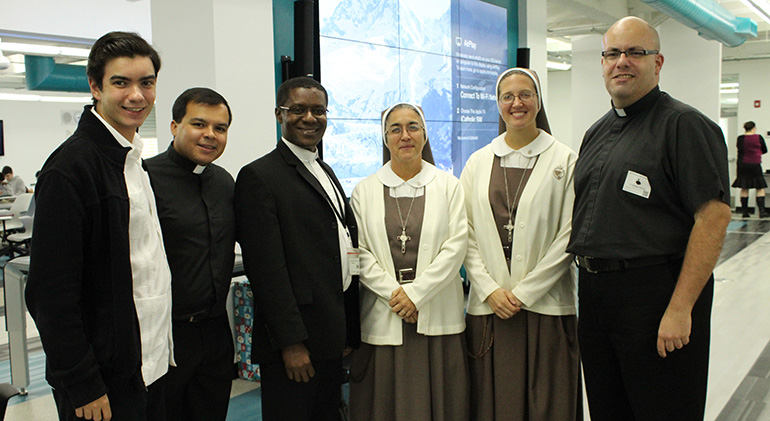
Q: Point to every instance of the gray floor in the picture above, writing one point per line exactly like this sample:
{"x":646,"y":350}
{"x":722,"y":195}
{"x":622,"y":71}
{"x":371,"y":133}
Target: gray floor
{"x":750,"y":400}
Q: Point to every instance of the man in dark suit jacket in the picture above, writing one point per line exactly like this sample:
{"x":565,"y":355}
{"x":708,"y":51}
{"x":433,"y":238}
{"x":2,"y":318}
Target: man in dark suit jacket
{"x":298,"y":236}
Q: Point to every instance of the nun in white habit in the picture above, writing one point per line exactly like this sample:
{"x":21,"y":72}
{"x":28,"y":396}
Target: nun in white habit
{"x":413,"y":234}
{"x":522,"y":328}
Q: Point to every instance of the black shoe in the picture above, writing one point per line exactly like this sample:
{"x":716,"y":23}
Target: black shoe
{"x":745,"y":207}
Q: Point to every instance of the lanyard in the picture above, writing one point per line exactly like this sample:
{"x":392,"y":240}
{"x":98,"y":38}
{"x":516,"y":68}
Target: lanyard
{"x":338,"y":211}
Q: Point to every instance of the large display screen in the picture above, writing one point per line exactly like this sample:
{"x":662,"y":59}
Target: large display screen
{"x":443,"y":55}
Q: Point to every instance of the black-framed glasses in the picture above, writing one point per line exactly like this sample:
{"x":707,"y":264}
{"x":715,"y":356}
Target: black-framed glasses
{"x":397,"y":130}
{"x":525,"y":96}
{"x":612,"y":55}
{"x":299,"y":110}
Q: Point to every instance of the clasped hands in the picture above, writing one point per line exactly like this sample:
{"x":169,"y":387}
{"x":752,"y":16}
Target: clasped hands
{"x":504,"y":303}
{"x":403,"y":306}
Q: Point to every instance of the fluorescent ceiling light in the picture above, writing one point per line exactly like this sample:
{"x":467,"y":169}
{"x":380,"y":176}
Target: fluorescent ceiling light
{"x":729,"y":91}
{"x":729,"y":85}
{"x":553,"y":44}
{"x":41,"y":98}
{"x":557,"y":66}
{"x":730,"y":100}
{"x":760,"y":7}
{"x":65,"y":99}
{"x":47,"y":50}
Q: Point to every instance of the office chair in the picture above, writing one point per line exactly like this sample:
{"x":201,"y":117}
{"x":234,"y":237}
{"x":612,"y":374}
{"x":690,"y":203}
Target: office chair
{"x":7,"y":391}
{"x":20,"y":207}
{"x":19,"y":241}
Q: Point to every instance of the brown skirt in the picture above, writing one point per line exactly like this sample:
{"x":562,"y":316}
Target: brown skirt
{"x":426,"y":378}
{"x":524,"y":368}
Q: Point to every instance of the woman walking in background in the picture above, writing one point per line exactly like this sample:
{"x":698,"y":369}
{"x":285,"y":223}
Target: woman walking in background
{"x":751,"y":146}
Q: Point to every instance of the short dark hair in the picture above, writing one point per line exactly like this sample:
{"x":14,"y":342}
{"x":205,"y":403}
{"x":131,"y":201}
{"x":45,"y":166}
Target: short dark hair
{"x":199,"y":96}
{"x":7,"y":170}
{"x":749,"y":125}
{"x":298,"y":82}
{"x":117,"y":44}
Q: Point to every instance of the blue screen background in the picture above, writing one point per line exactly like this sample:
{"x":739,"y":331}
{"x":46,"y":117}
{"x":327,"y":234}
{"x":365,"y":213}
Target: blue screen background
{"x":378,"y":52}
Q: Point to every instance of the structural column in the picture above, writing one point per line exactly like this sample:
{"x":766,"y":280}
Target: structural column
{"x":226,"y":45}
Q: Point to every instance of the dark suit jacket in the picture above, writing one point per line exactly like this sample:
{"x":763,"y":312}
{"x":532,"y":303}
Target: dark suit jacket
{"x":288,"y":235}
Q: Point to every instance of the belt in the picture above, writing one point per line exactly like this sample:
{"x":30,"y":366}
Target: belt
{"x":196,"y":318}
{"x":594,"y":265}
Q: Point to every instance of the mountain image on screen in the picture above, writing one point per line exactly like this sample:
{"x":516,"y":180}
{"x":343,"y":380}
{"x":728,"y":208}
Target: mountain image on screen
{"x":378,"y":52}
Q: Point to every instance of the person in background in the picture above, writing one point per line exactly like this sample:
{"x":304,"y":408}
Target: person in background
{"x":12,"y":185}
{"x":651,"y":212}
{"x":522,"y":328}
{"x":299,"y":242}
{"x":751,"y":147}
{"x":99,"y":286}
{"x":197,"y":215}
{"x":413,"y":235}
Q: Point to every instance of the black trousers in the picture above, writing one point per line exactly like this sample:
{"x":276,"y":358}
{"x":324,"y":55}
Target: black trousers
{"x":129,"y":400}
{"x":198,"y":388}
{"x":285,"y":399}
{"x":626,"y":379}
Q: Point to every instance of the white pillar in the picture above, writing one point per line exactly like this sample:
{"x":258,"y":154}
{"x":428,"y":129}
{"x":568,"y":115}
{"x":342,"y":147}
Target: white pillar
{"x":225,"y":45}
{"x":590,"y":99}
{"x":692,"y":69}
{"x":532,"y":35}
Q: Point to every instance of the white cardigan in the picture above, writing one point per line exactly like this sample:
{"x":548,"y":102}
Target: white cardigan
{"x":437,"y":289}
{"x":542,"y":276}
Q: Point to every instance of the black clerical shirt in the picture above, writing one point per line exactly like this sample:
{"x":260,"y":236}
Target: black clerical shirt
{"x":641,"y":174}
{"x":197,"y":217}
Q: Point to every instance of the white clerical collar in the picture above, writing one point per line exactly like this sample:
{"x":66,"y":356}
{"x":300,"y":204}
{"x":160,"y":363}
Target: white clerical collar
{"x":542,"y":142}
{"x":389,"y":178}
{"x":119,"y":137}
{"x":620,"y":112}
{"x":303,"y":154}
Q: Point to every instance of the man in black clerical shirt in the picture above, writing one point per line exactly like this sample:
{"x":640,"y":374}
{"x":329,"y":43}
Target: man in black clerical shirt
{"x":195,"y":207}
{"x":650,"y":216}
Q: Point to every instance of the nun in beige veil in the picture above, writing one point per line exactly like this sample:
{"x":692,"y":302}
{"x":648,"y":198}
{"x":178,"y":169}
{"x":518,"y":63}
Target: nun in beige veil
{"x":521,"y":334}
{"x":413,"y":234}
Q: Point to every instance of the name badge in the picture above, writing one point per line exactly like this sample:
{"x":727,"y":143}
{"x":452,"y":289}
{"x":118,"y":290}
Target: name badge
{"x":637,"y":184}
{"x":354,"y":261}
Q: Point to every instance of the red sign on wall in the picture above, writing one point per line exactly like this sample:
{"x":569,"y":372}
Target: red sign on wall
{"x":757,"y":103}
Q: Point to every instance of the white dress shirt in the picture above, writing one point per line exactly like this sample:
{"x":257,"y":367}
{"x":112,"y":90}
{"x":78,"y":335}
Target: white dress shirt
{"x":149,"y":266}
{"x":336,"y":201}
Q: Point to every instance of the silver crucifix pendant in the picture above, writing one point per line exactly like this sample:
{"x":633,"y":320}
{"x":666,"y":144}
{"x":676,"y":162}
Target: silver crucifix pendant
{"x":403,"y":238}
{"x":509,"y":227}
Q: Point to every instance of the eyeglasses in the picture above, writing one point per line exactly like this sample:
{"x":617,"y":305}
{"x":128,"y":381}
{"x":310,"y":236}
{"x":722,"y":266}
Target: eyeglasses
{"x":523,"y":96}
{"x":397,"y":130}
{"x":612,"y":55}
{"x":301,"y":111}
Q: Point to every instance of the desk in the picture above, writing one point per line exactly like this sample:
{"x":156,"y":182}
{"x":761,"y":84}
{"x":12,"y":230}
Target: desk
{"x":5,"y":248}
{"x":15,"y":273}
{"x":6,"y":202}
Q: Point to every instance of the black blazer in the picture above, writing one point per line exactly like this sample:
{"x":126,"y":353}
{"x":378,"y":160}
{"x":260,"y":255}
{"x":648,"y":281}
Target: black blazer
{"x":288,"y":235}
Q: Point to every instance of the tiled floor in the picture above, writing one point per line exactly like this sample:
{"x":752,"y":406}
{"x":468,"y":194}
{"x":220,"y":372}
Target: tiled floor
{"x":740,"y":350}
{"x":739,"y":377}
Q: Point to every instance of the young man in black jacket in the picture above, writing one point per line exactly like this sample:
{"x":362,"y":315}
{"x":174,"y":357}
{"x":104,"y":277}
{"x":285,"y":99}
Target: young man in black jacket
{"x":99,"y":285}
